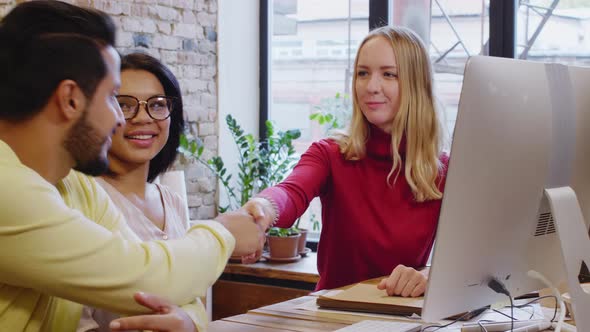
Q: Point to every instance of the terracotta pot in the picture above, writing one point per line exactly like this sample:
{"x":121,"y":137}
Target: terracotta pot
{"x":302,"y":240}
{"x":283,"y":247}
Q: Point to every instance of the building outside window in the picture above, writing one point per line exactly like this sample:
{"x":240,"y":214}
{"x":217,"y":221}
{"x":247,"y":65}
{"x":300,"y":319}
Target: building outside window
{"x":313,"y":45}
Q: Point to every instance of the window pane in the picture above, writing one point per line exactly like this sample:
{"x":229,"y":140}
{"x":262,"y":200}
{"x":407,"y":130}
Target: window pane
{"x":554,"y":31}
{"x":459,"y":29}
{"x":313,"y":47}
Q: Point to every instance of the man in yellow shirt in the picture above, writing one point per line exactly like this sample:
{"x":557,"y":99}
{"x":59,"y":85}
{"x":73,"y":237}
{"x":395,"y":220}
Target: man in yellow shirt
{"x":59,"y":74}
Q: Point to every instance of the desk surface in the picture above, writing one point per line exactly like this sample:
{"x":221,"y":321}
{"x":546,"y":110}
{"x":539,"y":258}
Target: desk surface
{"x":282,"y":317}
{"x":304,"y":269}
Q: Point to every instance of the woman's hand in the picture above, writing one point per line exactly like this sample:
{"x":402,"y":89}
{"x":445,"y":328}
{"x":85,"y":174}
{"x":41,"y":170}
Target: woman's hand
{"x":405,"y":281}
{"x":263,"y":213}
{"x":166,"y":317}
{"x":261,"y":210}
{"x":248,"y":234}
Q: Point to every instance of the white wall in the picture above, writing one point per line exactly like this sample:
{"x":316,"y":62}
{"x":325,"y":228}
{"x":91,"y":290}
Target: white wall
{"x":238,"y":63}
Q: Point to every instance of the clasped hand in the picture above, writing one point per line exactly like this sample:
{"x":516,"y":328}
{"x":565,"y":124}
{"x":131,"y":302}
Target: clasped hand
{"x":249,"y":235}
{"x":262,"y":211}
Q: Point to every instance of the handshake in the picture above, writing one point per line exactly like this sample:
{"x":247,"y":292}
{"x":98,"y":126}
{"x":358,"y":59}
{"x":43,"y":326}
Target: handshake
{"x":248,"y":225}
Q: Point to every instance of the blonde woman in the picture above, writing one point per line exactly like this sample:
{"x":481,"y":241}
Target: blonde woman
{"x":381,"y":181}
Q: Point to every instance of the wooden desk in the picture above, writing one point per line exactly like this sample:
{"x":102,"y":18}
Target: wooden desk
{"x":243,"y":287}
{"x":283,"y":316}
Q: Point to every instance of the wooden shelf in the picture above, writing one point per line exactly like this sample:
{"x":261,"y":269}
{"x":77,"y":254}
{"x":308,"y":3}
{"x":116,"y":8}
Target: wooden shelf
{"x":243,"y":287}
{"x":304,"y":269}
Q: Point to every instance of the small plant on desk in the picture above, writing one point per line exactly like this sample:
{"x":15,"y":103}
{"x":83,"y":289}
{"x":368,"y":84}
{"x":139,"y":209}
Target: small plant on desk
{"x":283,"y":243}
{"x":283,"y":232}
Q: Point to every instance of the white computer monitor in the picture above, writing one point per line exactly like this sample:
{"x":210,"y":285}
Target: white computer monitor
{"x":513,"y":138}
{"x":580,"y":78}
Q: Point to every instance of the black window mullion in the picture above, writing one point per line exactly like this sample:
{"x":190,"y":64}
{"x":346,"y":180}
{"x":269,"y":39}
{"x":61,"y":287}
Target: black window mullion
{"x":378,"y":13}
{"x":503,"y":28}
{"x":264,"y":79}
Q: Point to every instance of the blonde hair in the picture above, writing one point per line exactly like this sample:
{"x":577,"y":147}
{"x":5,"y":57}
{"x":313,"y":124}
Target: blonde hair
{"x":416,"y":118}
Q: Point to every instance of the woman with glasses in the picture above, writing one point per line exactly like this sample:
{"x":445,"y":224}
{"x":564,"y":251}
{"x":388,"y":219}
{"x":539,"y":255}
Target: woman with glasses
{"x":145,"y":147}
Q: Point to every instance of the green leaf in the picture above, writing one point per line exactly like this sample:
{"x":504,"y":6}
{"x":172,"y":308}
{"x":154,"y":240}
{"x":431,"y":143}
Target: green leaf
{"x":183,"y":140}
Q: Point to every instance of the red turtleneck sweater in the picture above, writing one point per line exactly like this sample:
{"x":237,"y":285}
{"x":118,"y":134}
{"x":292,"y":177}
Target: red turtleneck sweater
{"x":368,"y":227}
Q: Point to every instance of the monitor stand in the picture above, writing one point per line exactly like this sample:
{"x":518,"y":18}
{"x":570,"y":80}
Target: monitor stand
{"x":575,"y":247}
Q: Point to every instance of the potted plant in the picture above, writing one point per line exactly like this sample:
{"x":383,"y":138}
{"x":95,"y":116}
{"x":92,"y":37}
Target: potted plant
{"x":302,"y":239}
{"x":283,"y":244}
{"x":261,"y":163}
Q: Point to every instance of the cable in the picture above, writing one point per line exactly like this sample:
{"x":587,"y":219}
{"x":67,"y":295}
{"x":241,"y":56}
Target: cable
{"x":521,"y":307}
{"x":438,"y":326}
{"x":536,"y":275}
{"x":498,"y":287}
{"x":482,"y":327}
{"x":541,"y":298}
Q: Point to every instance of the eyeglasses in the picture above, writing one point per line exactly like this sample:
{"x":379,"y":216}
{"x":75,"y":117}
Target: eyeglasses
{"x":157,"y":107}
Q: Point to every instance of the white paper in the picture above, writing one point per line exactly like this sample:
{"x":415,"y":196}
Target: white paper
{"x":535,"y":310}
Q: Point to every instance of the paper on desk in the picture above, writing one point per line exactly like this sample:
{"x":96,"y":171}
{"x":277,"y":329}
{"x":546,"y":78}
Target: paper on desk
{"x":366,"y":293}
{"x":312,"y":306}
{"x":535,"y":311}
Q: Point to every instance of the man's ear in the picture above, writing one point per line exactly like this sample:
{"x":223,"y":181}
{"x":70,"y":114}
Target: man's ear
{"x":70,"y":99}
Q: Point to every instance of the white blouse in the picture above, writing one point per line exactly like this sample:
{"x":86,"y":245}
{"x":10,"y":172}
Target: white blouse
{"x":175,"y":226}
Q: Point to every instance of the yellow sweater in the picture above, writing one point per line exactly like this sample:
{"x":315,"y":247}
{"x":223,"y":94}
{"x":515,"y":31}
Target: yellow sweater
{"x":49,"y":250}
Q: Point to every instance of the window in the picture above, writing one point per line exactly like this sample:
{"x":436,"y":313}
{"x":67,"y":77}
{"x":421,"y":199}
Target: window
{"x":313,"y":45}
{"x":458,"y":29}
{"x":554,"y":31}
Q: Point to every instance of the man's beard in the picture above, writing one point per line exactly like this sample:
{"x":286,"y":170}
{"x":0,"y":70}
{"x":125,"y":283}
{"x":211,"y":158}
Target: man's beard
{"x":85,"y":145}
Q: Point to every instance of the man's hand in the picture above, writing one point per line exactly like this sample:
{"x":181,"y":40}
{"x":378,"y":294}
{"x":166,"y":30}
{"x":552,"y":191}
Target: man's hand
{"x":166,"y":317}
{"x":405,"y":281}
{"x":262,"y":211}
{"x":249,"y":235}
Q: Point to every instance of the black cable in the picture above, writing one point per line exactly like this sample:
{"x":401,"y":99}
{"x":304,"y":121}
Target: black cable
{"x":518,"y":307}
{"x":498,"y":287}
{"x":503,"y":314}
{"x":438,"y":326}
{"x":527,"y":306}
{"x":511,"y":313}
{"x":539,"y":299}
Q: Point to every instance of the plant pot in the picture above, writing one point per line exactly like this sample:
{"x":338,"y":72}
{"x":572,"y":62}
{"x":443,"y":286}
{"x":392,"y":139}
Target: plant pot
{"x":283,"y":247}
{"x":302,"y":240}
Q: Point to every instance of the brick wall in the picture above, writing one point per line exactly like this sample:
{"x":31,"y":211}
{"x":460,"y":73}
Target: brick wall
{"x":182,"y":34}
